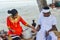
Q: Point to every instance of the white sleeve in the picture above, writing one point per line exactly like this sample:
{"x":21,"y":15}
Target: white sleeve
{"x":40,"y":16}
{"x":54,"y":21}
{"x":39,"y":21}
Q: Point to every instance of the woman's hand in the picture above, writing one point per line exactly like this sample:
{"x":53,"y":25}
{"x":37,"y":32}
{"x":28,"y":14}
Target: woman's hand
{"x":33,"y":29}
{"x":12,"y":30}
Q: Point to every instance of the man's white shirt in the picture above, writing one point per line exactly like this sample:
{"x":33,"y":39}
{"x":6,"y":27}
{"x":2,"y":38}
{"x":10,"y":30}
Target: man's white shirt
{"x":47,"y":22}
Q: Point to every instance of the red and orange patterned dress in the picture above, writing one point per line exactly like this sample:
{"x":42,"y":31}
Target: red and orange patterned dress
{"x":15,"y":25}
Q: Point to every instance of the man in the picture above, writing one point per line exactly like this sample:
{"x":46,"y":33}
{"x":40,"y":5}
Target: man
{"x":46,"y":25}
{"x":41,"y":13}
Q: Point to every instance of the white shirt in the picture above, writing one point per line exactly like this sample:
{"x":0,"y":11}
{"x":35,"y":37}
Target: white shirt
{"x":47,"y":22}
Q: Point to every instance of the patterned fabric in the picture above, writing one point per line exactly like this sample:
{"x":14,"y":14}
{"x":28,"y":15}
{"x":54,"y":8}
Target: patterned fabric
{"x":15,"y":25}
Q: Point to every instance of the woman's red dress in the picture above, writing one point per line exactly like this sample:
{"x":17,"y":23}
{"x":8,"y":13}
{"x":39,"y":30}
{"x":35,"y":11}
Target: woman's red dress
{"x":15,"y":25}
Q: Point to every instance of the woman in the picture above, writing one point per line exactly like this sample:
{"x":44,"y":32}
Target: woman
{"x":13,"y":23}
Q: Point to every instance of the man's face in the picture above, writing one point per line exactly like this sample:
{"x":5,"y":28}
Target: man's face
{"x":46,"y":14}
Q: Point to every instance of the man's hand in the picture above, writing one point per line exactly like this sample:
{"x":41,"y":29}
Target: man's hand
{"x":38,"y":27}
{"x":47,"y":33}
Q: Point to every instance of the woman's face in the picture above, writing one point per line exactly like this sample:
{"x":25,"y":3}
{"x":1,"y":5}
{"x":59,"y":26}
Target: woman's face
{"x":15,"y":16}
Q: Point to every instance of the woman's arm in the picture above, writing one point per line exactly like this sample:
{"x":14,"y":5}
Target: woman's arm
{"x":26,"y":24}
{"x":23,"y":21}
{"x":33,"y":29}
{"x":8,"y":23}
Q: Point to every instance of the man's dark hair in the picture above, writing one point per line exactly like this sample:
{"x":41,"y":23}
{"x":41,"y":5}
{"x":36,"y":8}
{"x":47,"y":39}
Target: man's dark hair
{"x":46,"y":7}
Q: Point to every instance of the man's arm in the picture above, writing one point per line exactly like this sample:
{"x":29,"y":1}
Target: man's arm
{"x":53,"y":28}
{"x":54,"y":22}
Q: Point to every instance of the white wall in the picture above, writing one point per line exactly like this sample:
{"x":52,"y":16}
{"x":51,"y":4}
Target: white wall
{"x":49,"y":1}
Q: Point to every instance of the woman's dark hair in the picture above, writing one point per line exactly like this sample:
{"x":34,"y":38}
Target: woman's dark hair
{"x":13,"y":12}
